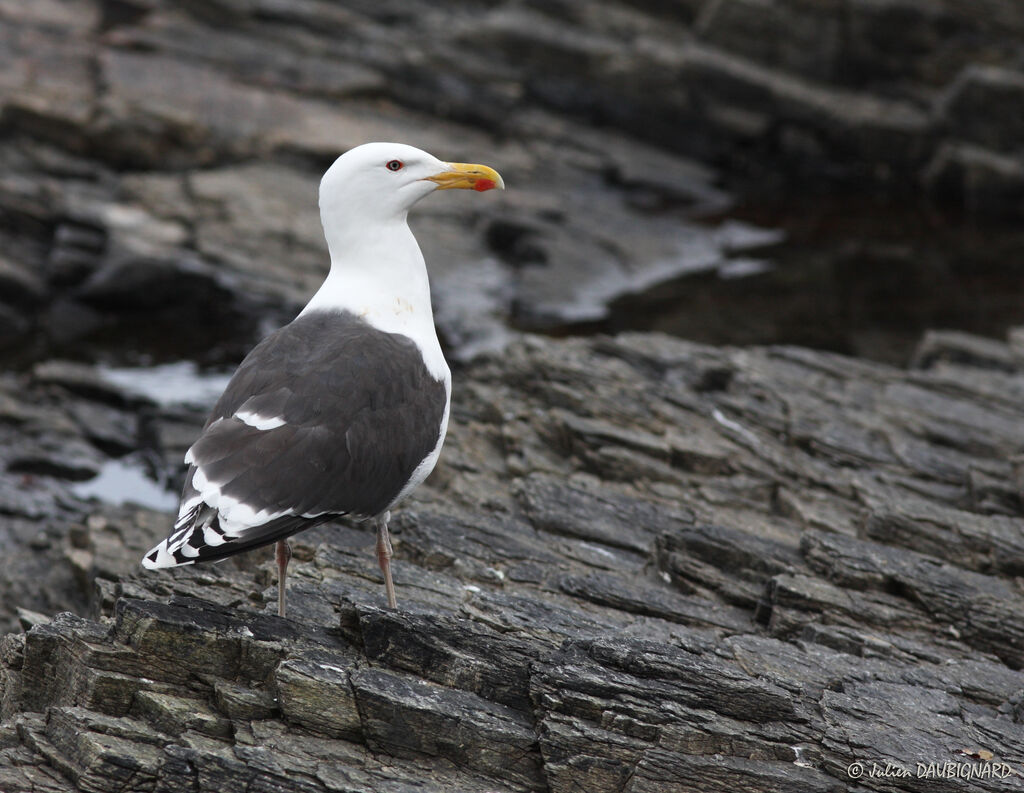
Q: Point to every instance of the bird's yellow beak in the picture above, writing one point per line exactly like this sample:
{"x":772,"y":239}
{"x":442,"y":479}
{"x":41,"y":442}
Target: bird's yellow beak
{"x":467,"y":176}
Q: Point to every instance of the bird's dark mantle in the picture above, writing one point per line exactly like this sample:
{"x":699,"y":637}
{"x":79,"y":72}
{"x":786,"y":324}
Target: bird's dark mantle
{"x":643,"y":565}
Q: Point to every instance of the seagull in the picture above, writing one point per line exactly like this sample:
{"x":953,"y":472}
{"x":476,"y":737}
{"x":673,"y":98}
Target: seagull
{"x":343,"y":411}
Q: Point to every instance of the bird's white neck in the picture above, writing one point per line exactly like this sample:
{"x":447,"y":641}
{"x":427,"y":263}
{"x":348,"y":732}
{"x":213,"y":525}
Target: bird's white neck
{"x":379,"y":275}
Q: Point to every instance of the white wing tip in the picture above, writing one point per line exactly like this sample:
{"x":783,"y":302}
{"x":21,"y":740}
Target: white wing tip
{"x":158,"y":557}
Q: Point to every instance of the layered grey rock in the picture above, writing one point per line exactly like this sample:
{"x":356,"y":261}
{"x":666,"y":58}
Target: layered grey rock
{"x":153,"y":148}
{"x":642,"y":565}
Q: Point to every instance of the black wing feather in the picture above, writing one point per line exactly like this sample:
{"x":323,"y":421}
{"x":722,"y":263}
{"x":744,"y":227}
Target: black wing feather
{"x":361,"y":412}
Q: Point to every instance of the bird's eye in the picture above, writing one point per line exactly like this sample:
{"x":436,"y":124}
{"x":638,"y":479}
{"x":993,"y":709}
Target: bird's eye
{"x":395,"y":165}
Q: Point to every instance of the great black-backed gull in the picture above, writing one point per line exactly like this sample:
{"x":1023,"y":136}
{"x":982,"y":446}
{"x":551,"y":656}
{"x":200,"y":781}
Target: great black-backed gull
{"x":344,"y":410}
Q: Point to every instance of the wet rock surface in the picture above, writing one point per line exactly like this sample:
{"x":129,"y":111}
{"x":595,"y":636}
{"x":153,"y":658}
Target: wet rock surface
{"x":642,"y":564}
{"x":166,"y":149}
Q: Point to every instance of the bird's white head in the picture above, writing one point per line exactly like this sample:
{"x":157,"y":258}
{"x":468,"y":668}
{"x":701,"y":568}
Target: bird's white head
{"x":377,"y":269}
{"x":379,"y":182}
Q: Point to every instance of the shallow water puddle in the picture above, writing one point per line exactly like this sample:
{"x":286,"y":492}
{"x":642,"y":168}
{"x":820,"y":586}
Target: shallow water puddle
{"x":125,"y":481}
{"x":178,"y":383}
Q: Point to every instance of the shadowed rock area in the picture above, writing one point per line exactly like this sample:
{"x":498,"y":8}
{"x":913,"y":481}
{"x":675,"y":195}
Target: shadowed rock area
{"x":159,"y":160}
{"x":642,"y":565}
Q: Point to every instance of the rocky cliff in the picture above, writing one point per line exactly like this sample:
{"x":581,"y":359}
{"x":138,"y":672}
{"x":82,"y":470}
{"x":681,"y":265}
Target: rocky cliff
{"x":160,"y":159}
{"x":643,"y":564}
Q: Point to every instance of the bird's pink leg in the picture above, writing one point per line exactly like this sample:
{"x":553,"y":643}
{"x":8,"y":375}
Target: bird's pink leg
{"x":284,"y":555}
{"x":384,"y":553}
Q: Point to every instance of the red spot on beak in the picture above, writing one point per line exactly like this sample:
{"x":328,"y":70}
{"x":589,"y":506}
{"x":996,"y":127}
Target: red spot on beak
{"x":483,"y":184}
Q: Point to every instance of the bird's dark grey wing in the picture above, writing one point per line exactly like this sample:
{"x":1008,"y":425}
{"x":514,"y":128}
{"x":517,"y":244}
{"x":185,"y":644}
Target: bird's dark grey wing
{"x":327,"y":416}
